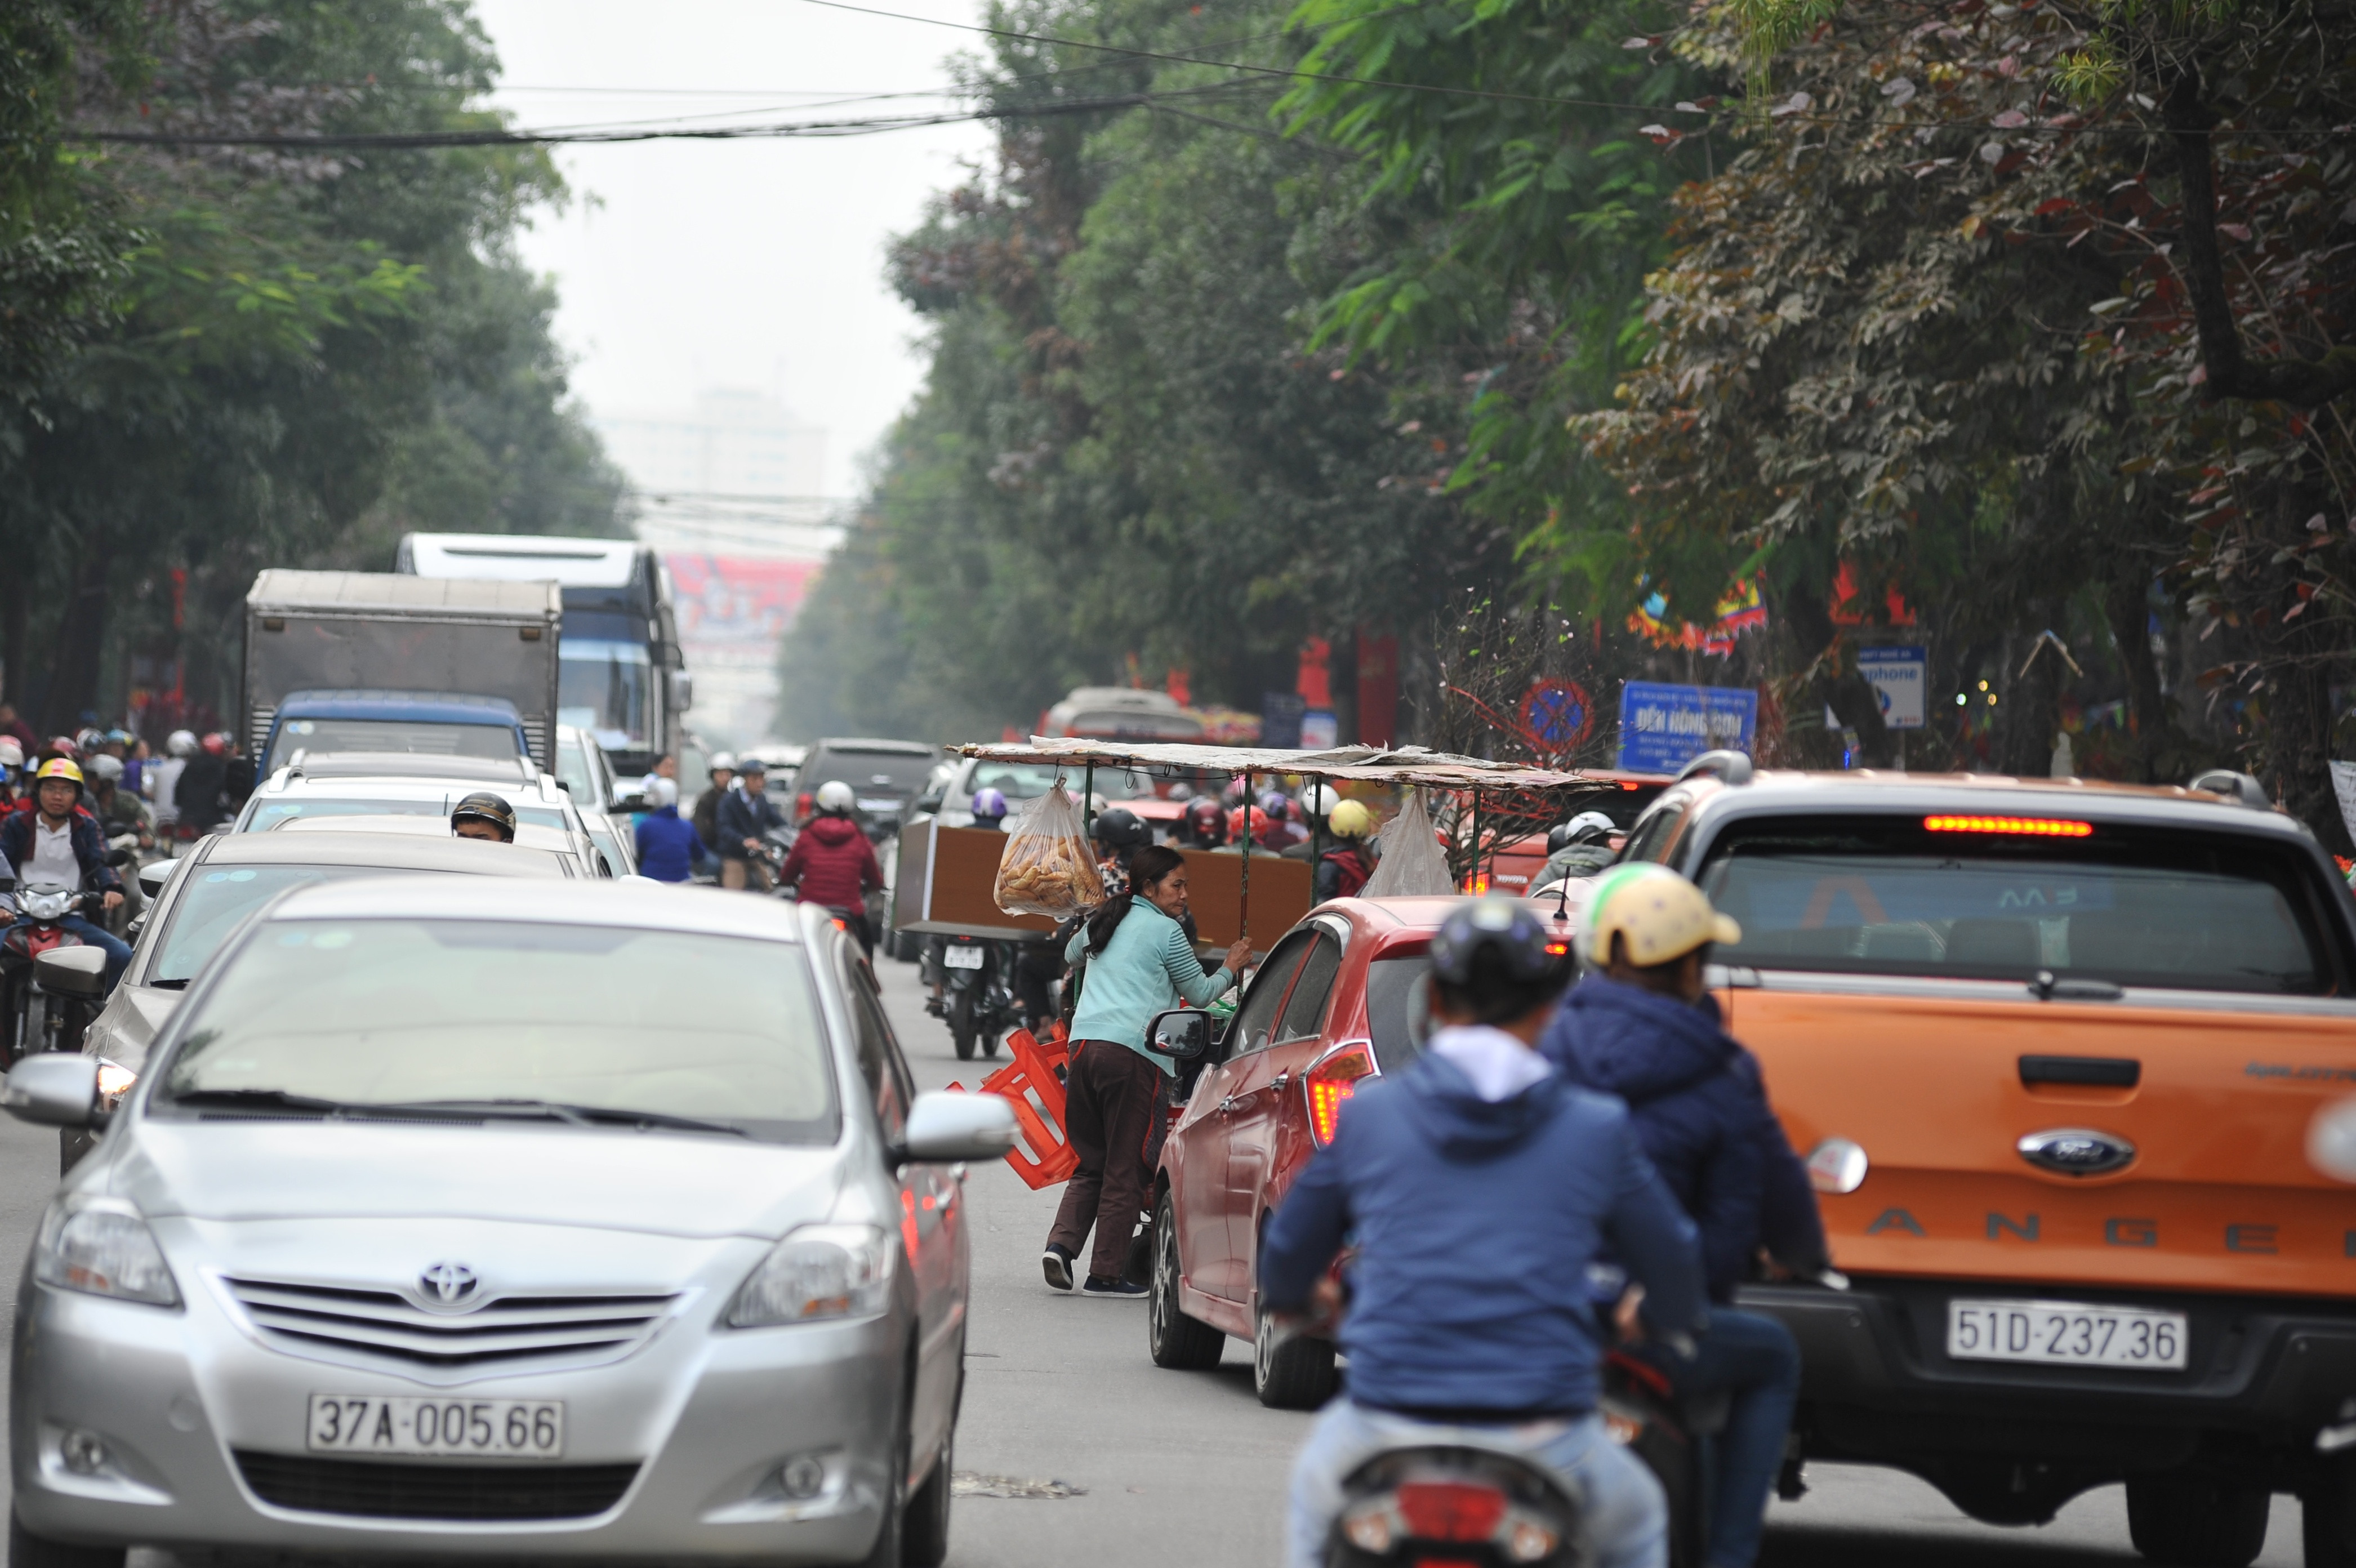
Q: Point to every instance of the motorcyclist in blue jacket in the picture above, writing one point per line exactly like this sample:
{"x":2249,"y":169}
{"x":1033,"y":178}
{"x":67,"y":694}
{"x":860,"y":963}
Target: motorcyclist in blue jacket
{"x":1641,"y":1026}
{"x":667,"y":842}
{"x":1476,"y":1187}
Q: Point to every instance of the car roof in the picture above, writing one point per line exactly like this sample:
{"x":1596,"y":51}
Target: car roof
{"x":421,"y":785}
{"x":1884,"y":790}
{"x":857,"y":747}
{"x":530,"y":834}
{"x":374,"y":702}
{"x":636,"y":905}
{"x":401,"y":851}
{"x":413,"y":765}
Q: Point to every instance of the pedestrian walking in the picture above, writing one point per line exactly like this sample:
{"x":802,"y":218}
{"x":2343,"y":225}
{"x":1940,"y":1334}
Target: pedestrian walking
{"x":1138,"y":963}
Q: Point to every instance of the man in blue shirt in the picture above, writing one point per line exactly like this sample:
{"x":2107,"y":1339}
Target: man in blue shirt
{"x":1476,"y":1187}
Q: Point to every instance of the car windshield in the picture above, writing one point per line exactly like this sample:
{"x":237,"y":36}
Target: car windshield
{"x":1029,"y":780}
{"x":269,"y":814}
{"x":867,"y":772}
{"x":1395,"y":986}
{"x":2133,"y":906}
{"x":318,"y":737}
{"x":605,"y":687}
{"x":217,"y":900}
{"x":592,"y":1018}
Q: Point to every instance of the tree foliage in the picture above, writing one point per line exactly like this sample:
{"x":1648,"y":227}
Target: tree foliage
{"x":287,"y":356}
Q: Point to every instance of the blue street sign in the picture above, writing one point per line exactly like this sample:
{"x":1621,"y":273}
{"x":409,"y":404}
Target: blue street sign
{"x":1664,"y":727}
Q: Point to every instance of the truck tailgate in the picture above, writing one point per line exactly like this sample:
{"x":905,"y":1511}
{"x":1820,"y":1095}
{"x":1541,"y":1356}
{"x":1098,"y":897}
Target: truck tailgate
{"x":2217,"y":1195}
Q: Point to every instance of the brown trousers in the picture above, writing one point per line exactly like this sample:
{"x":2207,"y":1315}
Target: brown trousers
{"x":1109,"y":1095}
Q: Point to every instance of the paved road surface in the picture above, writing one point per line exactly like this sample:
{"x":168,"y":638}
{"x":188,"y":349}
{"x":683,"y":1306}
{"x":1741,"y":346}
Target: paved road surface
{"x":1184,"y":1468}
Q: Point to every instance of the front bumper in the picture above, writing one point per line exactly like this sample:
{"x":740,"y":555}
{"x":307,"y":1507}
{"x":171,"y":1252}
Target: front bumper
{"x":1878,"y":1384}
{"x":707,"y":1417}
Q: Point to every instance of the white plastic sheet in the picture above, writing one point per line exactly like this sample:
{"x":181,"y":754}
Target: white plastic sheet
{"x":1412,"y":864}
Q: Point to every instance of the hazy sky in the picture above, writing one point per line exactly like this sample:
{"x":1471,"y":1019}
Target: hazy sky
{"x":683,"y":265}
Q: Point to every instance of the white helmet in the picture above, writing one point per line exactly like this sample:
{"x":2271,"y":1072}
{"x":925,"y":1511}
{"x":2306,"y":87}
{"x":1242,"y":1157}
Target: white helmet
{"x":1318,"y":800}
{"x":108,"y":769}
{"x":723,"y":762}
{"x":661,"y":792}
{"x":834,"y":795}
{"x":182,"y":743}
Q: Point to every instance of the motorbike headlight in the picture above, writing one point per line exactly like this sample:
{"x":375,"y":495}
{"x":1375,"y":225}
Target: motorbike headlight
{"x":103,"y":1247}
{"x":821,"y":1272}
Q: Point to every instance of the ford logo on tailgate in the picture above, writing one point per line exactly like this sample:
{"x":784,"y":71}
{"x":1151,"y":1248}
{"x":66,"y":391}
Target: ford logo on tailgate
{"x":2077,"y":1151}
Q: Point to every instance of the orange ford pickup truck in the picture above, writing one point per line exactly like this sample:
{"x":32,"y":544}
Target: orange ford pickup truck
{"x":2051,"y":1049}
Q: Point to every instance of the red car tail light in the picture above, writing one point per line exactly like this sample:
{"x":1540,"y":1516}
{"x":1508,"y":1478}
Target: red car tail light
{"x":1330,"y":1081}
{"x":1451,"y":1510}
{"x":2035,"y":827}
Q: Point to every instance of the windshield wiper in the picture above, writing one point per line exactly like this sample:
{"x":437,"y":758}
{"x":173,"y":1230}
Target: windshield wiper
{"x":180,"y":985}
{"x":259,"y":1100}
{"x":553,"y":1110}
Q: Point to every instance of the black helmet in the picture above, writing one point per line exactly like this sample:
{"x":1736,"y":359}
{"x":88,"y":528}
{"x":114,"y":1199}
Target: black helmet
{"x":1588,"y":827}
{"x":1119,"y":829}
{"x":1503,"y":926}
{"x":482,"y":806}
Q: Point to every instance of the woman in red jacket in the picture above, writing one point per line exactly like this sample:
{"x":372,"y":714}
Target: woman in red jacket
{"x":832,"y":863}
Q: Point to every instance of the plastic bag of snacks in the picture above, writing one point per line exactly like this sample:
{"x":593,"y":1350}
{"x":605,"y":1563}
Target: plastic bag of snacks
{"x":1048,"y":867}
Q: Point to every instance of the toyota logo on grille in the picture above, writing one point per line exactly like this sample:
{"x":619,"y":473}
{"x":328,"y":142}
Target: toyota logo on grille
{"x":2077,"y":1151}
{"x":449,"y":1283}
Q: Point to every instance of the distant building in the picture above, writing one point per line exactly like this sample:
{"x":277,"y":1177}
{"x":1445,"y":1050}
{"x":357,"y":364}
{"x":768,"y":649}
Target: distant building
{"x":732,"y":443}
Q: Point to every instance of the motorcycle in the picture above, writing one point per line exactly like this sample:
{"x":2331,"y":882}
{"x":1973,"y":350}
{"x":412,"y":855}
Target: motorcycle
{"x":31,"y":1017}
{"x":978,"y":993}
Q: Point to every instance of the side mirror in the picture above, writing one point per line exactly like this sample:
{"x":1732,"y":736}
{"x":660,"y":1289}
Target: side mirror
{"x":925,"y":803}
{"x":632,"y":802}
{"x":1183,"y":1034}
{"x":944,"y":1127}
{"x":153,"y":876}
{"x":72,"y":971}
{"x":120,"y":857}
{"x":54,"y":1089}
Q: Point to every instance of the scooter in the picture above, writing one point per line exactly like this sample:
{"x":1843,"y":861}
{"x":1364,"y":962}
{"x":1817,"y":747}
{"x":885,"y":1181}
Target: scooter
{"x":1463,"y":1506}
{"x":31,"y":1018}
{"x":978,"y":993}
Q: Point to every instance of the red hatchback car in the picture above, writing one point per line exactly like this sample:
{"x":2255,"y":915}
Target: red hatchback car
{"x":1330,"y":1006}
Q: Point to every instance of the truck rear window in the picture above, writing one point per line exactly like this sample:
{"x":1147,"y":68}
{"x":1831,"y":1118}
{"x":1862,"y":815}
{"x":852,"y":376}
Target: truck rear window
{"x":2135,"y":905}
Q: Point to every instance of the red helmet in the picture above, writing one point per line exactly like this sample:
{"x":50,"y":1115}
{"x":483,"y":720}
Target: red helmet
{"x":1206,"y":824}
{"x":63,"y":746}
{"x":216,"y":743}
{"x":1237,"y":828}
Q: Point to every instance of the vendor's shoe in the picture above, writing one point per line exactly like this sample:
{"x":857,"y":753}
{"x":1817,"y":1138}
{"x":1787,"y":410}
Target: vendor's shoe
{"x":935,"y":1007}
{"x":1056,"y":1265}
{"x":1099,"y":1286}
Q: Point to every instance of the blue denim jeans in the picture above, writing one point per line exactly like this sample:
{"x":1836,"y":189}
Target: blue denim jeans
{"x":1752,"y":1357}
{"x":117,"y":951}
{"x":1627,"y":1522}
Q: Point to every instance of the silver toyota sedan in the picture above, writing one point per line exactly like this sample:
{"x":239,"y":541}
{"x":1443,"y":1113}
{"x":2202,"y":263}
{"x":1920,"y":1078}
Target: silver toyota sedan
{"x":470,"y":1217}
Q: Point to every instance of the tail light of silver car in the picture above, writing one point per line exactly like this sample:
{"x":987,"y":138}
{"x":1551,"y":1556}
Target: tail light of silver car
{"x":1332,"y":1079}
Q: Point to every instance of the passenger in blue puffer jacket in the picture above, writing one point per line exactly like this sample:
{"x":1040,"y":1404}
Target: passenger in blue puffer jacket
{"x":1641,"y":1027}
{"x":667,"y":845}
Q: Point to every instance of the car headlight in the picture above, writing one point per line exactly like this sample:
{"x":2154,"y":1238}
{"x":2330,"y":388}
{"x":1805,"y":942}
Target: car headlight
{"x":103,"y":1247}
{"x":821,"y":1272}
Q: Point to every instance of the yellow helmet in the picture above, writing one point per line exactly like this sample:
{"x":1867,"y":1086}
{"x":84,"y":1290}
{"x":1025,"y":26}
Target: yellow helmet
{"x":60,"y":767}
{"x":1350,"y":820}
{"x":1658,"y":916}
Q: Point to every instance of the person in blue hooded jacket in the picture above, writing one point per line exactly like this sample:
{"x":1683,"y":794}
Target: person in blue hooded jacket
{"x":1641,"y":1026}
{"x":668,"y":846}
{"x":1476,"y":1187}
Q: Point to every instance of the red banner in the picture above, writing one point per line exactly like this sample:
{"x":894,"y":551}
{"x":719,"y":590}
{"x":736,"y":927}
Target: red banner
{"x":730,"y":601}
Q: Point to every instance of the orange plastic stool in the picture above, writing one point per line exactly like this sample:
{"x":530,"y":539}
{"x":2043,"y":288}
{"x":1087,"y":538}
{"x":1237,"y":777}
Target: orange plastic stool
{"x":1034,"y":1084}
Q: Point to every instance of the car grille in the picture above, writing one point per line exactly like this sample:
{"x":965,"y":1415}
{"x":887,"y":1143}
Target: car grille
{"x":369,"y":1490}
{"x":505,"y":1329}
